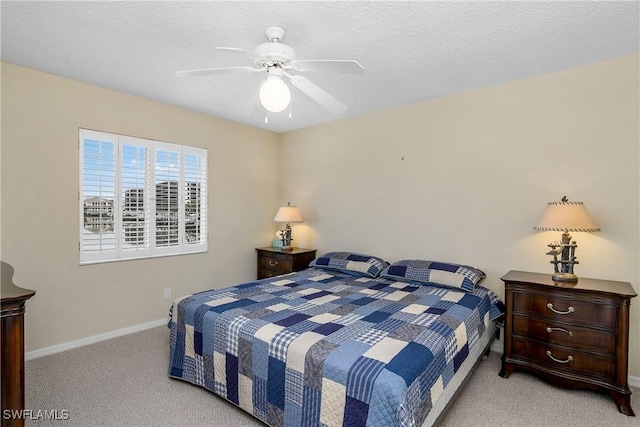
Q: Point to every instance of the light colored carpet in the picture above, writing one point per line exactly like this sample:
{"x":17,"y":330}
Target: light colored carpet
{"x":124,"y":382}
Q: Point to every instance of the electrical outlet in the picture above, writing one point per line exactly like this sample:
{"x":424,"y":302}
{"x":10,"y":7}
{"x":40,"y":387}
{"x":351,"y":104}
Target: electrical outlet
{"x":167,"y":293}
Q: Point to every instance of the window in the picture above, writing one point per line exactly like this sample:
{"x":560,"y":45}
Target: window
{"x":140,"y":198}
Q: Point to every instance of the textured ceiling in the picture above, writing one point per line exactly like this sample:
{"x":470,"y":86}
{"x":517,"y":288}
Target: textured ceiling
{"x":411,"y":51}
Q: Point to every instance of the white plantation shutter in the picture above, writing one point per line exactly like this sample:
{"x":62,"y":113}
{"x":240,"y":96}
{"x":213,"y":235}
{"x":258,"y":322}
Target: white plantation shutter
{"x":195,"y":180}
{"x":168,"y":197}
{"x":135,"y":230}
{"x":98,"y":156}
{"x":140,"y":198}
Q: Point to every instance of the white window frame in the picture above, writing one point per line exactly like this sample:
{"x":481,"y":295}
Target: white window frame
{"x":149,"y":247}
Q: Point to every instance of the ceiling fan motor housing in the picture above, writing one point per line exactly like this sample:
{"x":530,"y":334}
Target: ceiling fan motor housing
{"x":274,"y":52}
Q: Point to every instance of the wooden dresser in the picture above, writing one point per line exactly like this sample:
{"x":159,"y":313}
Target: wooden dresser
{"x":572,"y":336}
{"x":12,"y":345}
{"x":274,"y":262}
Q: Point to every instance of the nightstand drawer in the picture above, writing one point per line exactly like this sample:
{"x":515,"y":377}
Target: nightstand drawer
{"x":266,"y":274}
{"x":556,"y":357}
{"x":565,"y":334}
{"x":275,"y":263}
{"x":565,"y":309}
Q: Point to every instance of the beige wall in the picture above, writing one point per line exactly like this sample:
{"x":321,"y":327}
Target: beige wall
{"x":1,"y":170}
{"x":465,"y":178}
{"x":41,"y":114}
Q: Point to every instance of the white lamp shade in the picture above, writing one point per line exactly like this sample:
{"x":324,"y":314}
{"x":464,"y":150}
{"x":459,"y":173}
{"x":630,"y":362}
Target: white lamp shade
{"x":288,"y":214}
{"x":274,"y":94}
{"x":566,"y":216}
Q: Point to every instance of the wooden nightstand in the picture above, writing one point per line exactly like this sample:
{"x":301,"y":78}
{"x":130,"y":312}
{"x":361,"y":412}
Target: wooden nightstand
{"x":274,"y":262}
{"x":576,"y":337}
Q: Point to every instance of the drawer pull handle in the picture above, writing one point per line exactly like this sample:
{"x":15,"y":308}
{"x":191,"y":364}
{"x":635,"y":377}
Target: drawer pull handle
{"x":273,"y":263}
{"x":569,"y":310}
{"x":567,"y":360}
{"x":549,"y":329}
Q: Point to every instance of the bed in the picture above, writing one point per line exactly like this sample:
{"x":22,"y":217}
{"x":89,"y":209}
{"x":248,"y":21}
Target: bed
{"x":351,"y":341}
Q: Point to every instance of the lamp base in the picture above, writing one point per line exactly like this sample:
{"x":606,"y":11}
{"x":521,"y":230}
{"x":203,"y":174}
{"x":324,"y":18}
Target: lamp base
{"x":564,"y":278}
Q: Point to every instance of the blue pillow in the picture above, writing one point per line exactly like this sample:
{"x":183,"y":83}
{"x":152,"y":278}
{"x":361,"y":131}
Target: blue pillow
{"x":351,"y":263}
{"x":462,"y":277}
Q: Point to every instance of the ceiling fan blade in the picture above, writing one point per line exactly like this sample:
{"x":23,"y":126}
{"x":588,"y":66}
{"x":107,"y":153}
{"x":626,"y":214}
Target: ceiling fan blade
{"x":248,"y":53}
{"x":209,"y":71}
{"x":318,"y":94}
{"x":329,"y":65}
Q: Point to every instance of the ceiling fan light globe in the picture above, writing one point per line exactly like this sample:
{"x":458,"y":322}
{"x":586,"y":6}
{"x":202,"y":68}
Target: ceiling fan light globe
{"x":274,"y":94}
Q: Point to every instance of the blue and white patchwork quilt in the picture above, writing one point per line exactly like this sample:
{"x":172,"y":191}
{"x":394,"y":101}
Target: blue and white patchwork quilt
{"x":324,"y":348}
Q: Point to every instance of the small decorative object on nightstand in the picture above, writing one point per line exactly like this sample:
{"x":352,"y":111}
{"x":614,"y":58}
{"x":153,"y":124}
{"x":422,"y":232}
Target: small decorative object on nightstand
{"x":275,"y":262}
{"x":287,"y":214}
{"x":565,"y":216}
{"x":576,"y":337}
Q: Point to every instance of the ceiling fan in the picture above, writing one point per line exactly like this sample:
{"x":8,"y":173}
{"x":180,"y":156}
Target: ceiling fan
{"x":278,"y":60}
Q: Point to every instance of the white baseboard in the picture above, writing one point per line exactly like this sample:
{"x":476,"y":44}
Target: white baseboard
{"x":93,"y":339}
{"x":634,"y":381}
{"x":497,"y":347}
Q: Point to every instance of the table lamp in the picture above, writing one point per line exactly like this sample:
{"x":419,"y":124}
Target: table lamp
{"x":287,"y":214}
{"x":565,"y":216}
